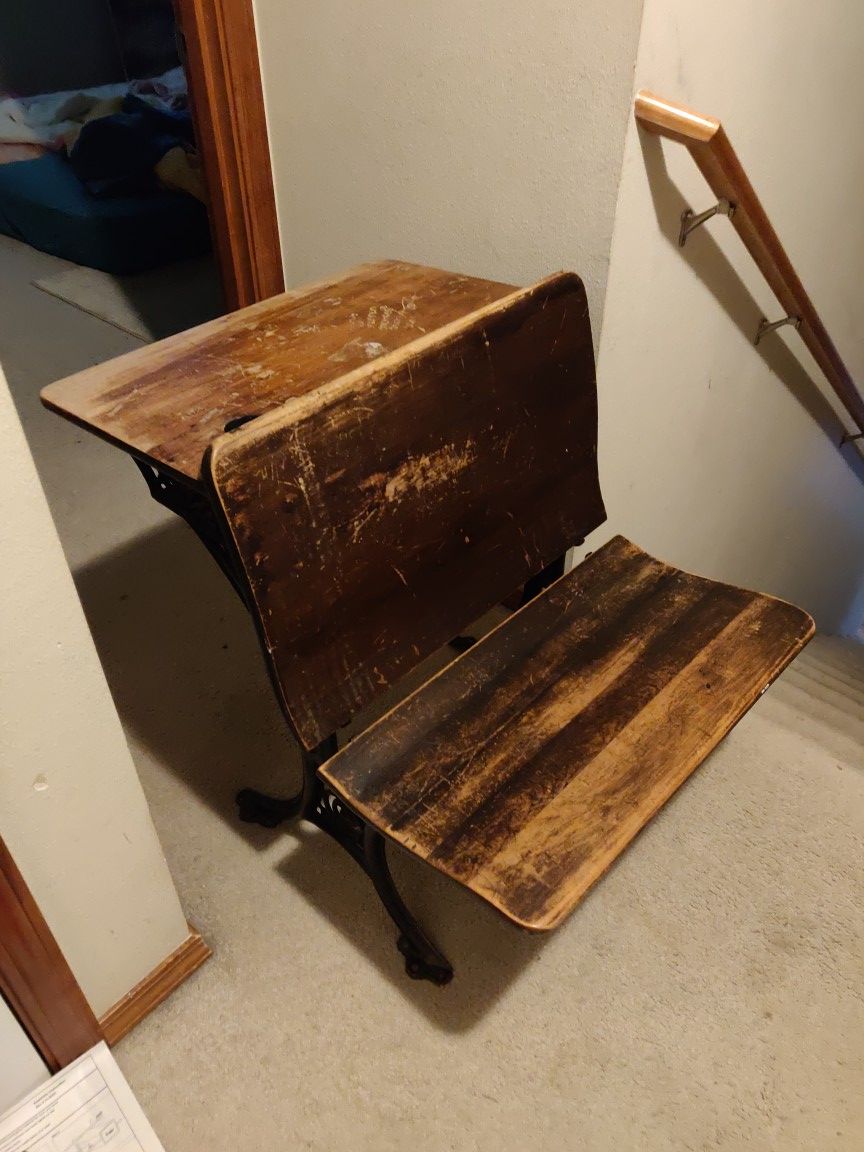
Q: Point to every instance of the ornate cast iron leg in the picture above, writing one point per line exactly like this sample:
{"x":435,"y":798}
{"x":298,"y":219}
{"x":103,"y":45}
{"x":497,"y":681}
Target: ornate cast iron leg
{"x":256,"y":807}
{"x":193,"y":506}
{"x":423,"y":961}
{"x":365,"y":844}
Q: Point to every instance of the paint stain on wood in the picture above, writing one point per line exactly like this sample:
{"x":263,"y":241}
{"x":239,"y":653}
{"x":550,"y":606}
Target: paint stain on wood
{"x":429,"y":471}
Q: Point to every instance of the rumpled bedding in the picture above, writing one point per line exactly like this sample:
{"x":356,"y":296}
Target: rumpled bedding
{"x":121,"y":139}
{"x":48,"y":119}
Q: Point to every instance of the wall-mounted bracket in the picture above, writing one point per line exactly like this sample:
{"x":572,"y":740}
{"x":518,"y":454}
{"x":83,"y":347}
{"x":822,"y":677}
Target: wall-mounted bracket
{"x":711,"y":149}
{"x":691,"y":221}
{"x":765,"y":326}
{"x":849,"y":437}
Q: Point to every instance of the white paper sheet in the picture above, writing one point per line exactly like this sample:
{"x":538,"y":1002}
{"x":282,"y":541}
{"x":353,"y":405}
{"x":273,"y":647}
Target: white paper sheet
{"x":87,"y":1106}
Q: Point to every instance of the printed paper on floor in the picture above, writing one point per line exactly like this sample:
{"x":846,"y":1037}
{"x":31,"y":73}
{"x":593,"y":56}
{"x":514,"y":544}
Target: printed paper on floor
{"x":87,"y":1106}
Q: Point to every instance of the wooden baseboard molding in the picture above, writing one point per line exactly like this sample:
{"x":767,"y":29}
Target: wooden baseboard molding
{"x":155,"y":988}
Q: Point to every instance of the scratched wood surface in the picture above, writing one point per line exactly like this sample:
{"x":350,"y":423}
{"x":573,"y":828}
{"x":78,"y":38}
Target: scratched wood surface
{"x":166,"y":402}
{"x":379,"y":516}
{"x":524,"y":768}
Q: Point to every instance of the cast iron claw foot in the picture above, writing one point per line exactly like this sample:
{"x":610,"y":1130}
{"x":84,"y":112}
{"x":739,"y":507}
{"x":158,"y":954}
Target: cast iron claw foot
{"x":423,"y":961}
{"x":428,"y":965}
{"x":268,"y":811}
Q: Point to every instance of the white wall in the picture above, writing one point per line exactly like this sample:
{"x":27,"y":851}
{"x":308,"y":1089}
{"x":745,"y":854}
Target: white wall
{"x":71,"y":807}
{"x":709,"y":455}
{"x":480,"y":135}
{"x":21,"y":1067}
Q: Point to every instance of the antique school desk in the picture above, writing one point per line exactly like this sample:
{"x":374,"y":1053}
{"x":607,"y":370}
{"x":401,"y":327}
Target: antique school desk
{"x":374,"y":462}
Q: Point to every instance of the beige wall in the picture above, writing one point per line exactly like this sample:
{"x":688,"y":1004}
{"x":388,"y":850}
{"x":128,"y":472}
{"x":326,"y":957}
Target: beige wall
{"x":479,"y":138}
{"x":709,"y":454}
{"x":71,"y":808}
{"x":483,"y":136}
{"x":21,"y":1068}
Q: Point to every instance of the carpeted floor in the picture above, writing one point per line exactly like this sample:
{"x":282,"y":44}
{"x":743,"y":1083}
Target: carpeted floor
{"x":140,"y":304}
{"x":707,"y":994}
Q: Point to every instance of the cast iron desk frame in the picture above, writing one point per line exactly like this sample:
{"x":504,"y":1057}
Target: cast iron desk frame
{"x":314,"y":801}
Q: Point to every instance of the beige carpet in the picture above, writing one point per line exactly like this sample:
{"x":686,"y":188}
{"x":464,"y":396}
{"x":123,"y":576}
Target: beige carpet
{"x":139,"y":304}
{"x":707,"y":995}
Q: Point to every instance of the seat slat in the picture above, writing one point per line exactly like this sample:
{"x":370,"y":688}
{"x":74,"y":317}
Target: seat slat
{"x":523,"y":769}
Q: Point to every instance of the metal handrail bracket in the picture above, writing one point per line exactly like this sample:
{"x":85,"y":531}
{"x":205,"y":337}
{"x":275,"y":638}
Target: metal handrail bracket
{"x":708,"y":144}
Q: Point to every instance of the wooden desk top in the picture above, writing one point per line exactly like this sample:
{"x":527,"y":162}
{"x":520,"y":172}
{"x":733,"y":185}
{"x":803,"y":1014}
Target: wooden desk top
{"x":167,"y":402}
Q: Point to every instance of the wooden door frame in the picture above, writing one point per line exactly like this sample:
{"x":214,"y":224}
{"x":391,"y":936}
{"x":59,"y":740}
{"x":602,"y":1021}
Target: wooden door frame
{"x":35,"y":980}
{"x":220,"y":49}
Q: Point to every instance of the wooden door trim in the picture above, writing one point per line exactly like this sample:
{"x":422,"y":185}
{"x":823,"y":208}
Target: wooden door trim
{"x":224,"y":76}
{"x":35,"y":979}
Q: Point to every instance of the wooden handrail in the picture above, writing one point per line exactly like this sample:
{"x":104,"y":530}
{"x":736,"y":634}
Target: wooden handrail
{"x":708,"y":144}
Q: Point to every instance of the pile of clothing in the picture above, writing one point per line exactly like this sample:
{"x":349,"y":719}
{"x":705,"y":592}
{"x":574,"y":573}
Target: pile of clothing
{"x":107,"y":177}
{"x":120,"y":139}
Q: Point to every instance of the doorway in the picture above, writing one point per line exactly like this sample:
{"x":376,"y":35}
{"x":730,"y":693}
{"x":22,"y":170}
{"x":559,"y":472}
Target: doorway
{"x":196,"y":59}
{"x":133,"y":145}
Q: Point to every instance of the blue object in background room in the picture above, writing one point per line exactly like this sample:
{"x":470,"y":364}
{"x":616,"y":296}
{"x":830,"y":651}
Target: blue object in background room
{"x":43,"y":203}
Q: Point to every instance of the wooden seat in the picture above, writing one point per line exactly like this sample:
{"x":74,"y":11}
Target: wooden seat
{"x":369,"y":499}
{"x":525,"y":767}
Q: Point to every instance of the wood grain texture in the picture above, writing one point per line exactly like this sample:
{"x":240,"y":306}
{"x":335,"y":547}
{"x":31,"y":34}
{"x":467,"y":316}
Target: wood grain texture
{"x":231,"y":129}
{"x":150,"y":992}
{"x":378,"y":516}
{"x":165,"y":403}
{"x":716,"y":159}
{"x":525,"y":767}
{"x":35,"y":979}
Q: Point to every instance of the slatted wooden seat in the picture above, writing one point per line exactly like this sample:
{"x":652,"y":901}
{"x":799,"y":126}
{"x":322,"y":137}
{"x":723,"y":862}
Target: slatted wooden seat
{"x":524,"y":768}
{"x":377,"y":506}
